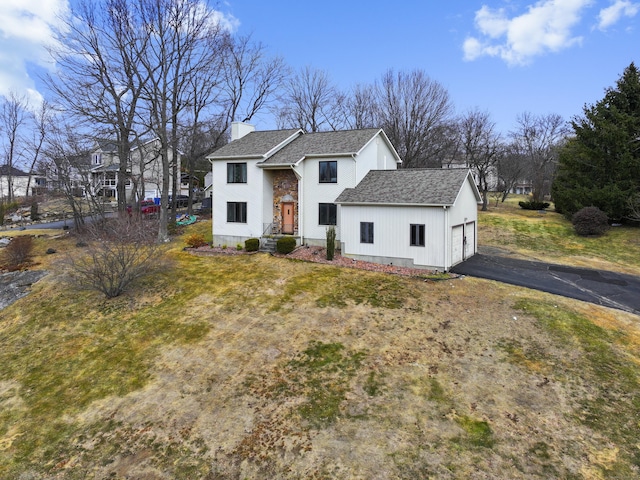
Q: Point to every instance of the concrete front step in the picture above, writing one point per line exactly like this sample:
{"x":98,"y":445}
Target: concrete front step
{"x":268,"y":245}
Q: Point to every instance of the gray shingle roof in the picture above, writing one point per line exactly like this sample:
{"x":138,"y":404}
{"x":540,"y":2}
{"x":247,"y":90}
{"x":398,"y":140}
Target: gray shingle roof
{"x":254,"y":144}
{"x":15,"y":172}
{"x":345,"y":142}
{"x":408,"y":186}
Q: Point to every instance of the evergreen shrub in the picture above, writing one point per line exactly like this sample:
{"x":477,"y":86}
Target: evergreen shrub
{"x":331,"y":242}
{"x":252,"y":244}
{"x":590,"y":221}
{"x":534,"y":205}
{"x":286,"y":245}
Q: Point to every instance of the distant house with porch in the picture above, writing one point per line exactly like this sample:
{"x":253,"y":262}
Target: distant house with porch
{"x":143,"y":171}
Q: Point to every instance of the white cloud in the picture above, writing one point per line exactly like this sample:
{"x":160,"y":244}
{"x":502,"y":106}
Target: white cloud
{"x":26,"y":29}
{"x":610,"y":15}
{"x":545,"y":27}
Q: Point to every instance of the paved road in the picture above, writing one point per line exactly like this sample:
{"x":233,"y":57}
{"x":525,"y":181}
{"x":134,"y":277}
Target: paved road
{"x":610,"y":289}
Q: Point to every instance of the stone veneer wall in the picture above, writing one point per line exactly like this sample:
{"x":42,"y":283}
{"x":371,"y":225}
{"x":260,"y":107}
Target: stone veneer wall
{"x":284,"y":182}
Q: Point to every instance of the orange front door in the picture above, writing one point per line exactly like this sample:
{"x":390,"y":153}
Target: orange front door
{"x":287,"y":218}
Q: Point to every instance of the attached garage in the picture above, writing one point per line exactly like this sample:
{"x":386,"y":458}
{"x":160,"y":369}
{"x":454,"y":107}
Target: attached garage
{"x":422,"y":218}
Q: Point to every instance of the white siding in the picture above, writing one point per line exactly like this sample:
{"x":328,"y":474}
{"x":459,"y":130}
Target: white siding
{"x":19,"y":186}
{"x":465,"y":212}
{"x":376,"y":155}
{"x":315,"y":193}
{"x":392,"y":227}
{"x":466,"y":207}
{"x":223,"y":192}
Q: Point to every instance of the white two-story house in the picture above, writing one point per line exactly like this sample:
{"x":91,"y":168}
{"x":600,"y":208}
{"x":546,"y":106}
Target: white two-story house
{"x":286,"y":181}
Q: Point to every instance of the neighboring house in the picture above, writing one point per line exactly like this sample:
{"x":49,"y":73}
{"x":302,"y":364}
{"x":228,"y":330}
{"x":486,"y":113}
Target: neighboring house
{"x":523,"y":187}
{"x":425,"y":218}
{"x":208,"y":184}
{"x":19,"y":182}
{"x":144,"y":170}
{"x":286,"y":181}
{"x":70,"y":174}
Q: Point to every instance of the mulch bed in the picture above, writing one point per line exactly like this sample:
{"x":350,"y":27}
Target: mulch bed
{"x":319,"y":255}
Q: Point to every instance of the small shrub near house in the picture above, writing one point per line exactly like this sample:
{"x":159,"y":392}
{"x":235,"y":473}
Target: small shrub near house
{"x":590,"y":221}
{"x":195,"y":240}
{"x":286,"y":245}
{"x":252,"y":244}
{"x":534,"y":205}
{"x":331,"y":242}
{"x":17,"y":253}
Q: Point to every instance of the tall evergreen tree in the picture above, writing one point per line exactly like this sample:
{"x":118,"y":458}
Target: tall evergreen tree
{"x":600,"y":165}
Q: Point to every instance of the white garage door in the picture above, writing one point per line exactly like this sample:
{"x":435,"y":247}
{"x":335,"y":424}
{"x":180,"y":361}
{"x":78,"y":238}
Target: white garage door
{"x":457,"y":238}
{"x":470,"y":244}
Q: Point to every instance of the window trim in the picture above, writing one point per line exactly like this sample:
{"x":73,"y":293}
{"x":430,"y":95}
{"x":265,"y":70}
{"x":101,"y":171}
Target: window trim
{"x":242,"y":212}
{"x":327,"y":169}
{"x":417,"y":231}
{"x":366,"y":232}
{"x":231,"y":172}
{"x":328,"y":217}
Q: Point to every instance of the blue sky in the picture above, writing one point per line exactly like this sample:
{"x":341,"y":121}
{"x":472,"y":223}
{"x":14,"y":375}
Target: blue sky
{"x":503,"y":56}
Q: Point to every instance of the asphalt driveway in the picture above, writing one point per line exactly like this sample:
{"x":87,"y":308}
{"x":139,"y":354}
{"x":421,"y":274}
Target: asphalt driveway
{"x":610,"y":289}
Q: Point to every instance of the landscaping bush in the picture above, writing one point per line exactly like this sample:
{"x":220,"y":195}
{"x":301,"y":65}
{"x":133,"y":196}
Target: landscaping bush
{"x":118,"y":252}
{"x":331,"y":242}
{"x":34,"y":212}
{"x":534,"y":205}
{"x":17,"y":252}
{"x":195,"y":240}
{"x":590,"y":221}
{"x":286,"y":245}
{"x":252,"y":244}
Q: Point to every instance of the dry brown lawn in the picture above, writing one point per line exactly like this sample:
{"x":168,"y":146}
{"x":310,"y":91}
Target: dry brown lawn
{"x":254,"y":367}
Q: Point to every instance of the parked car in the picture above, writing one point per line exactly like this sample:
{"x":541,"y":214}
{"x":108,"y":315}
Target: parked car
{"x":181,"y":201}
{"x":148,"y":207}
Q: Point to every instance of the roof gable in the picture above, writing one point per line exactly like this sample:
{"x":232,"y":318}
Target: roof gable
{"x":255,"y":144}
{"x":319,"y":144}
{"x":410,"y":186}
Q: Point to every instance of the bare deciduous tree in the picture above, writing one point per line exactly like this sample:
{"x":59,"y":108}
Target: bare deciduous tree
{"x":98,"y":81}
{"x":414,"y":111}
{"x":180,"y":55}
{"x":43,"y":119}
{"x":481,"y":147}
{"x":13,"y":116}
{"x":67,"y":163}
{"x":362,"y":107}
{"x":538,"y":138}
{"x":312,"y":102}
{"x":512,"y":168}
{"x":249,"y":78}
